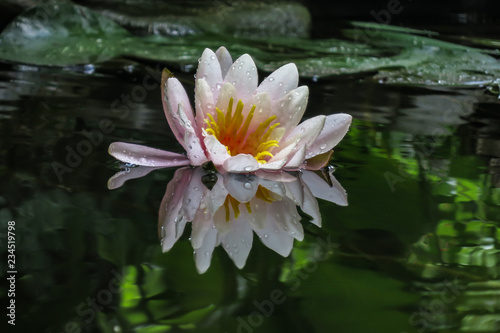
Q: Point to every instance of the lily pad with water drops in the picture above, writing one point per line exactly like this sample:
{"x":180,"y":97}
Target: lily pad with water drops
{"x":61,"y":34}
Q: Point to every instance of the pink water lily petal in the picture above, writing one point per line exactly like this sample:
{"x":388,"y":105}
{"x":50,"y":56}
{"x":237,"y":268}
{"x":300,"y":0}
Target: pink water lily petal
{"x":193,"y":194}
{"x":210,"y":70}
{"x":319,"y":161}
{"x":170,"y":220}
{"x":203,"y":101}
{"x":335,"y":128}
{"x":227,"y":92}
{"x":291,"y":107}
{"x":217,"y":152}
{"x":146,"y":156}
{"x":241,"y":163}
{"x":309,"y":205}
{"x":241,"y":187}
{"x":194,"y":148}
{"x":297,"y":159}
{"x":263,"y":109}
{"x":173,"y":95}
{"x":280,"y":82}
{"x":321,"y":189}
{"x":202,"y":223}
{"x":225,"y":60}
{"x":289,"y":219}
{"x":275,"y":176}
{"x":119,"y":178}
{"x":307,"y":132}
{"x":243,"y":75}
{"x":273,"y":236}
{"x":237,"y":242}
{"x":203,"y":255}
{"x":278,"y":160}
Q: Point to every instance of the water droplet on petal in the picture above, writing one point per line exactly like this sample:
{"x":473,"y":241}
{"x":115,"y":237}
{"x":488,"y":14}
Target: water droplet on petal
{"x":248,"y":168}
{"x":322,"y":147}
{"x":212,"y":57}
{"x":247,"y":185}
{"x":271,"y":79}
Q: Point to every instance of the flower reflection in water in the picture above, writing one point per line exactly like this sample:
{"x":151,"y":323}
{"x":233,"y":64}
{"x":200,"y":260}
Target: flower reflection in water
{"x":226,"y":209}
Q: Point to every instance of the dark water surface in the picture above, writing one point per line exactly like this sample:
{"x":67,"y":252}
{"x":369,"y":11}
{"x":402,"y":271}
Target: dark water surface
{"x":417,"y":248}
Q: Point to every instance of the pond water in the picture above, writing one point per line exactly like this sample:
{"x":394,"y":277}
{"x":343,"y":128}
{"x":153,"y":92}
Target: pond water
{"x":416,"y":249}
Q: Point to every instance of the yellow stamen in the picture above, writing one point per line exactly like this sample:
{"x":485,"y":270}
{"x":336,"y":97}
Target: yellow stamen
{"x":240,"y":136}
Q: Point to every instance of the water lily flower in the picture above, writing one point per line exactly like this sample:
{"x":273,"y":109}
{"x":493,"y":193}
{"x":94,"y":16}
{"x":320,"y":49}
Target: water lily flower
{"x":239,"y":125}
{"x":227,"y":209}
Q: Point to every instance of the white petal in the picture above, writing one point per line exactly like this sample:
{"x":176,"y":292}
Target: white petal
{"x":238,"y":240}
{"x":310,"y":205}
{"x":321,"y":189}
{"x":241,"y":163}
{"x":278,"y":161}
{"x":203,"y":256}
{"x":243,"y":75}
{"x":119,"y":178}
{"x":273,"y":236}
{"x":217,"y":151}
{"x":335,"y":128}
{"x":171,"y":222}
{"x":280,"y":82}
{"x":227,"y":92}
{"x":146,"y":156}
{"x":291,"y":107}
{"x":173,"y":95}
{"x":202,"y":223}
{"x":203,"y":101}
{"x":298,"y":159}
{"x":210,"y":70}
{"x":263,"y":109}
{"x":225,"y":60}
{"x":194,"y":149}
{"x":242,"y":187}
{"x":307,"y":132}
{"x":193,"y":194}
{"x":217,"y":196}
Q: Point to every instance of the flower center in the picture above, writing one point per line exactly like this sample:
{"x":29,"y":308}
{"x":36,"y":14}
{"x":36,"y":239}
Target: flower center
{"x":232,"y":130}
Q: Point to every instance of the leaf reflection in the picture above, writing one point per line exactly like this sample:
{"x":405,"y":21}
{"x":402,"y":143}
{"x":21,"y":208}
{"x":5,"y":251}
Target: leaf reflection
{"x":226,"y":209}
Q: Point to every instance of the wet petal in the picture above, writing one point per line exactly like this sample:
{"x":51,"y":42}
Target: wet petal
{"x":321,"y":189}
{"x":210,"y":70}
{"x":280,"y":82}
{"x":241,"y":163}
{"x":173,"y":96}
{"x":307,"y":132}
{"x":225,"y":60}
{"x":119,"y":178}
{"x":217,"y":152}
{"x":291,"y":107}
{"x":335,"y":128}
{"x":203,"y":255}
{"x":241,"y":187}
{"x":203,"y":101}
{"x":146,"y":156}
{"x":237,"y":242}
{"x":171,"y":221}
{"x":298,"y":159}
{"x":194,"y":148}
{"x":272,"y":236}
{"x":243,"y":75}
